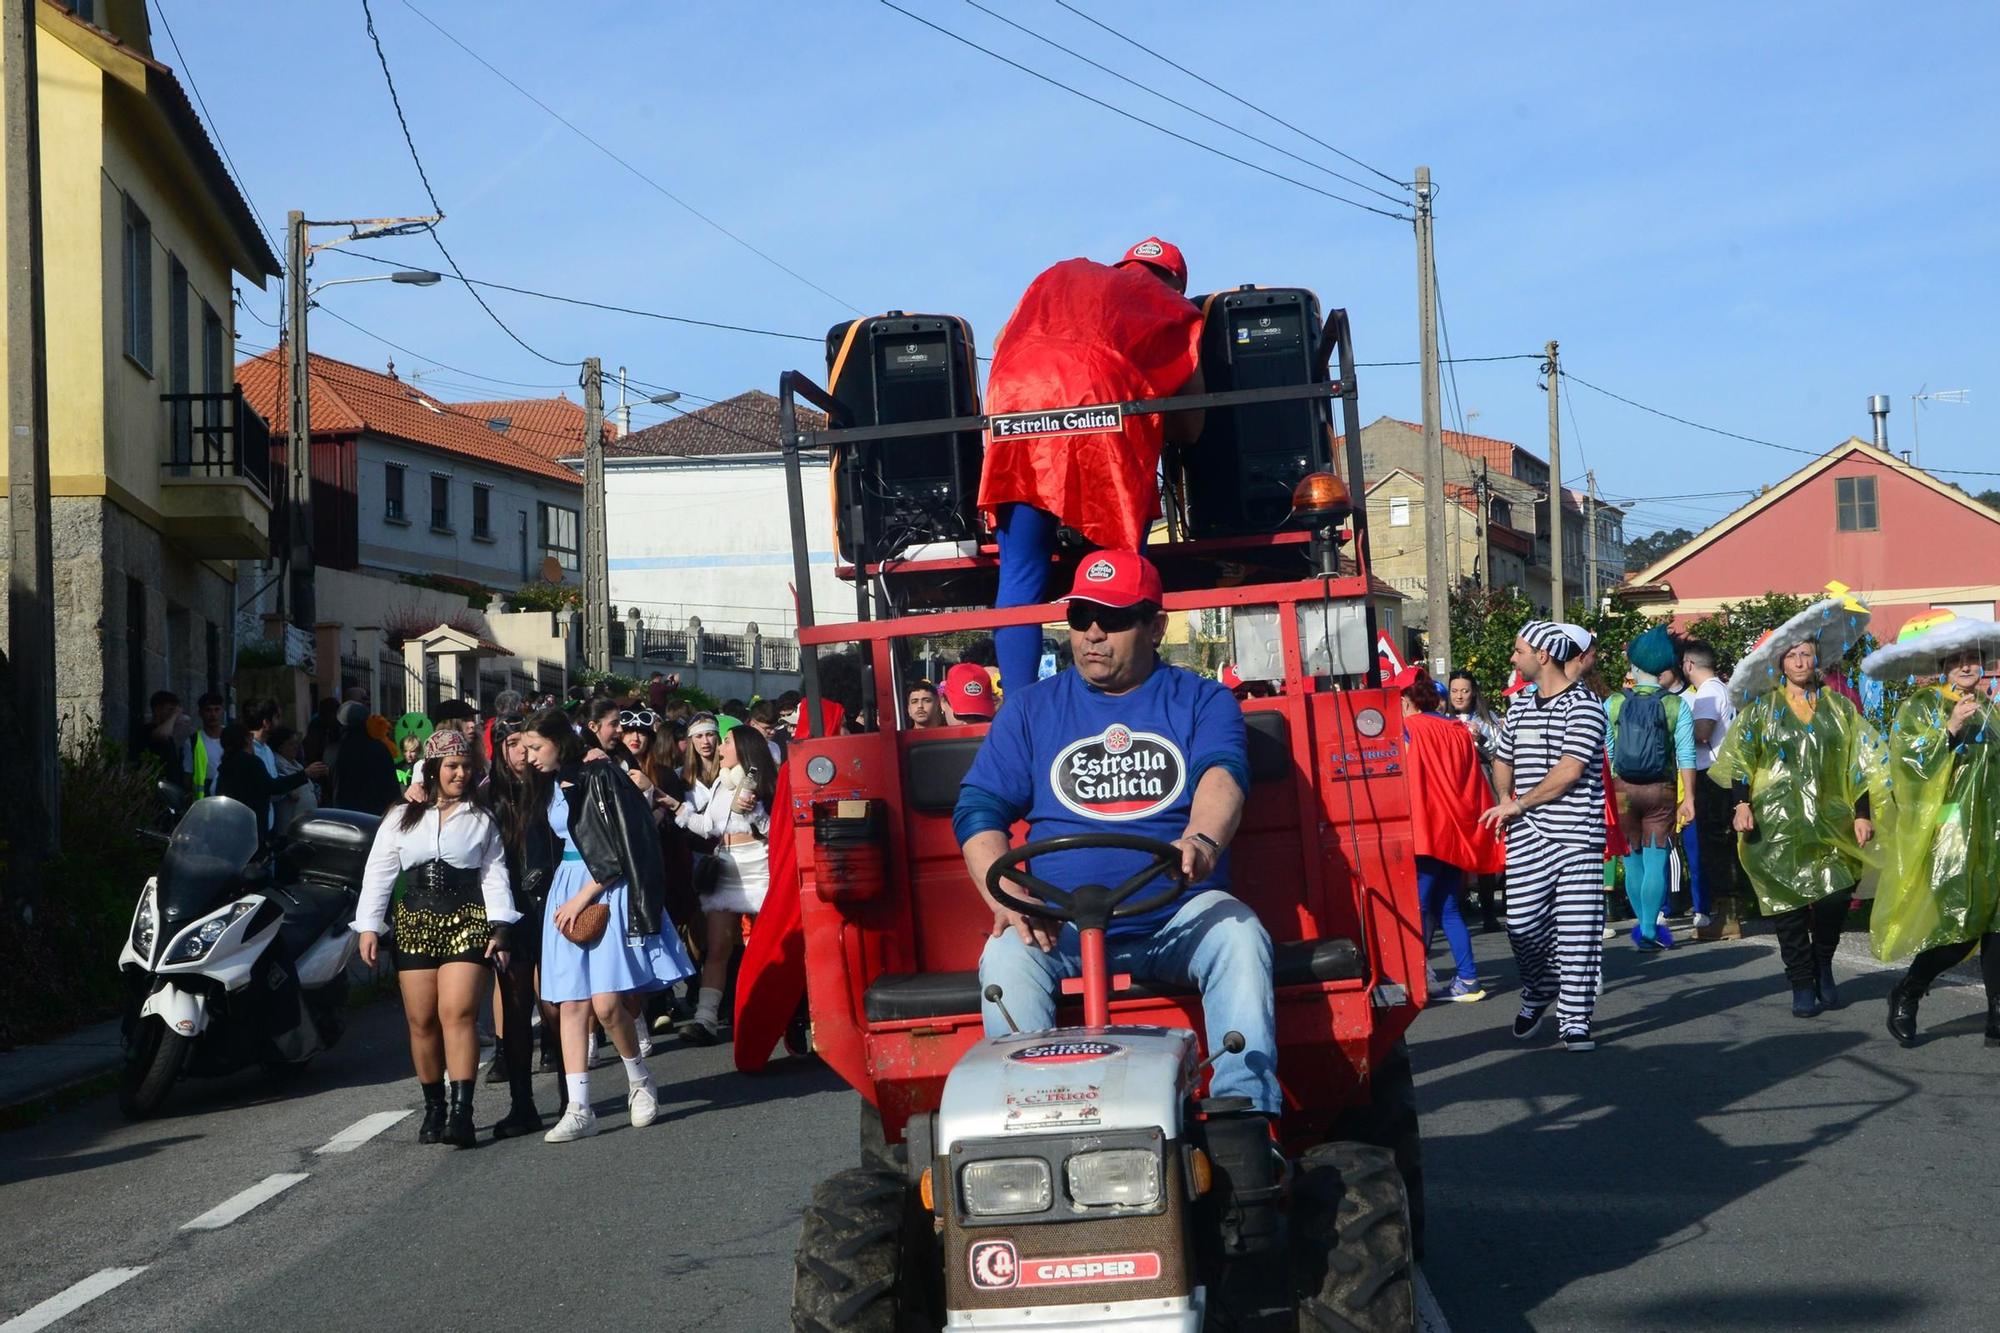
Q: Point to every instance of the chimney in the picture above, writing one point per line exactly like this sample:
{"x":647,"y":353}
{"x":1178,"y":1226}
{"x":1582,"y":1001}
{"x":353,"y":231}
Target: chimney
{"x":1878,"y":408}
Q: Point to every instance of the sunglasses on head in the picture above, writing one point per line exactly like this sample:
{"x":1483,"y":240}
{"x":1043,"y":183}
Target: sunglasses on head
{"x":634,"y":719}
{"x":1111,"y":619}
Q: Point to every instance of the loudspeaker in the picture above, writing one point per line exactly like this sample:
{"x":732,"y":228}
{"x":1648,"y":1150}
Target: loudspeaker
{"x":885,"y":371}
{"x":1239,"y":475}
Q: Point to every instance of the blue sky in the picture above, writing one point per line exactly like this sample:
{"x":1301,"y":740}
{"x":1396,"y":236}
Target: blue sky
{"x":1751,"y":215}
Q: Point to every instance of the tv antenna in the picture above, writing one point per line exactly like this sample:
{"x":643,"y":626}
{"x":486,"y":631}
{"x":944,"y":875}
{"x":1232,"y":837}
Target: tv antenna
{"x":1920,"y":397}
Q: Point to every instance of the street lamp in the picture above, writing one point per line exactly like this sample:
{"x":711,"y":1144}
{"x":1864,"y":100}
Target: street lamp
{"x":412,"y":277}
{"x":625,"y":406}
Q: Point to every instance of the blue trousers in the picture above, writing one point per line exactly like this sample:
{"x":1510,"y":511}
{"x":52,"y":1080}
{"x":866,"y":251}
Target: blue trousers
{"x":1026,"y":537}
{"x":1213,"y":943}
{"x":1698,"y":886}
{"x":1441,"y":887}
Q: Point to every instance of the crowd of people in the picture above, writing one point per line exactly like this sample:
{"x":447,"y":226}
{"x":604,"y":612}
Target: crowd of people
{"x":1773,"y":785}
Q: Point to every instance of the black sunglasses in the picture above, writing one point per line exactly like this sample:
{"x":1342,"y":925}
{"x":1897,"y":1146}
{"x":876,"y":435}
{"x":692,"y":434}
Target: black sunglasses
{"x":1111,"y":619}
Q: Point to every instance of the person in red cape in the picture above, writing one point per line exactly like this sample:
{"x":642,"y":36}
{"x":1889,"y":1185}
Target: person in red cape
{"x":1083,"y":334}
{"x":771,"y":979}
{"x":1448,"y":790}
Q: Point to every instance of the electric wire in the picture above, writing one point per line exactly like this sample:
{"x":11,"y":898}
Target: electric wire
{"x":1138,"y":119}
{"x":397,"y":102}
{"x":577,"y":130}
{"x":1193,"y":111}
{"x":1234,"y":97}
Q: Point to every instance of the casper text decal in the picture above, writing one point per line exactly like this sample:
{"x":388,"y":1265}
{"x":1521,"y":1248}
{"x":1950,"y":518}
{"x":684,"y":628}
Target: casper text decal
{"x":1088,"y":1268}
{"x":1061,"y":421}
{"x":1122,"y":774}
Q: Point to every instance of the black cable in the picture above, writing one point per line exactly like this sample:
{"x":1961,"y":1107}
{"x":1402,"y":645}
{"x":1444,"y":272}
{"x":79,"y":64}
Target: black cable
{"x":1193,"y":111}
{"x":1138,"y":119}
{"x":406,"y":351}
{"x":244,"y":306}
{"x":436,"y":207}
{"x":1233,"y":97}
{"x":1444,"y":334}
{"x":573,"y":128}
{"x":1453,"y":360}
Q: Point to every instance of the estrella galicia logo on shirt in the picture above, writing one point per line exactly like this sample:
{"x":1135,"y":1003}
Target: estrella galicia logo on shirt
{"x":1120,"y":774}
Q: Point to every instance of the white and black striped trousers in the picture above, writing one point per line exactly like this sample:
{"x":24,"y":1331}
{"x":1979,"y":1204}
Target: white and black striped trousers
{"x":1555,"y":921}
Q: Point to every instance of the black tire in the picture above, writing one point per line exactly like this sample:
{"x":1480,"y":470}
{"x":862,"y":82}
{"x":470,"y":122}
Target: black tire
{"x":863,"y":1264}
{"x":877,"y":1153}
{"x":151,"y":1066}
{"x":1389,"y":1120}
{"x":1351,"y":1242}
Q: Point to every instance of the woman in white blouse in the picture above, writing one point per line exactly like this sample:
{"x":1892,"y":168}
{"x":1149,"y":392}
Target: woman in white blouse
{"x":736,"y":812}
{"x":450,"y":926}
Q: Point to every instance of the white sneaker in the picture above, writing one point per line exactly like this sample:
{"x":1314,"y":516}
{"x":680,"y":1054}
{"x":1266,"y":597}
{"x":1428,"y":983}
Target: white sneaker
{"x":1702,"y":921}
{"x":644,"y":1103}
{"x":578,"y":1122}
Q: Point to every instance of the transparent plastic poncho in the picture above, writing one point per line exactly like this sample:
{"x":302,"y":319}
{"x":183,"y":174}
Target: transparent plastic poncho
{"x":1805,"y":778}
{"x":1939,"y":881}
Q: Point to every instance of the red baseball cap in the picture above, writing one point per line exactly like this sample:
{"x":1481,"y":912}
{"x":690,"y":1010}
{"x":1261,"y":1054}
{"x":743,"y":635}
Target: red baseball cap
{"x":1162,"y":255}
{"x":1403,"y":679}
{"x":1115,"y":578}
{"x":1231,"y":678}
{"x":968,"y":691}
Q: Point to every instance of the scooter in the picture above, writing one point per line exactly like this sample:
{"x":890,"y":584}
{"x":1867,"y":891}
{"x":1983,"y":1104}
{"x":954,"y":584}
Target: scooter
{"x":235,"y":960}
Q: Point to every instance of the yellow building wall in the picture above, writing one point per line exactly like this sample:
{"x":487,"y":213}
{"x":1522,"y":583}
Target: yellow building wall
{"x":78,"y":290}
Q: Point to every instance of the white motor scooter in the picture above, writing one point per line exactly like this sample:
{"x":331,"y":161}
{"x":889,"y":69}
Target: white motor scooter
{"x":233,"y":961}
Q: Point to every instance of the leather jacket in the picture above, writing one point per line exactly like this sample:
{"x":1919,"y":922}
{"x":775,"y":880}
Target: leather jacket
{"x":613,"y":829}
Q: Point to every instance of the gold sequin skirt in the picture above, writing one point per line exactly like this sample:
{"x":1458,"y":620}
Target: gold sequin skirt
{"x":426,"y":937}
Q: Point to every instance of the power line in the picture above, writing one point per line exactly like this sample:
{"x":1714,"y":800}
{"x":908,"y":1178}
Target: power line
{"x":1575,"y":430}
{"x":1444,"y":331}
{"x":1455,"y":360}
{"x":1232,"y":96}
{"x":573,"y":128}
{"x":436,"y":207}
{"x":1138,"y":119}
{"x":1194,"y":111}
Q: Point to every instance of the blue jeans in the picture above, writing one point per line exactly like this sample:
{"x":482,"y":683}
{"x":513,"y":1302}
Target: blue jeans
{"x":1213,"y":943}
{"x":1698,"y":895}
{"x":1441,"y":887}
{"x":1026,"y":537}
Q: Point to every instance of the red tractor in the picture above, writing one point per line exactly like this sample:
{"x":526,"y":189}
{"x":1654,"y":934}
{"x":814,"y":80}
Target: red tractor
{"x":1079,"y":1178}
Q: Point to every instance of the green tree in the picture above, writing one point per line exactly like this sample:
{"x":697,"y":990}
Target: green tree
{"x":1483,"y":625}
{"x":1643,"y":551}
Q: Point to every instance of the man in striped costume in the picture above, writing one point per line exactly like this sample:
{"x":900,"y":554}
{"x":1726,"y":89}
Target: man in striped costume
{"x":1547,"y":764}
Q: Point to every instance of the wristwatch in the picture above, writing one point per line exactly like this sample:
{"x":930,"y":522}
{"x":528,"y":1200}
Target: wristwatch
{"x":1214,"y":847}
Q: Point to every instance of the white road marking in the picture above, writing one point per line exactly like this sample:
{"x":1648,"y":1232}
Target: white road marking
{"x":265,"y":1190}
{"x":363,"y":1130}
{"x":1430,"y":1319}
{"x":62,"y":1303}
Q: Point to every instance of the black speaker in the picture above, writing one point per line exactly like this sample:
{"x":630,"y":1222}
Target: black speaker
{"x":1238,"y":477}
{"x":888,"y":370}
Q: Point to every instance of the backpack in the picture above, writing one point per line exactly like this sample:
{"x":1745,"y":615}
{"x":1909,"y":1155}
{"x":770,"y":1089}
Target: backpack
{"x":1643,"y":750}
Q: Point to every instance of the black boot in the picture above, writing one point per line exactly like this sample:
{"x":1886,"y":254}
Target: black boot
{"x":1805,"y":1002}
{"x":432,"y":1130}
{"x":1829,"y":994}
{"x":1992,"y":1022}
{"x":458,"y":1130}
{"x":1903,"y":999}
{"x":522,"y":1117}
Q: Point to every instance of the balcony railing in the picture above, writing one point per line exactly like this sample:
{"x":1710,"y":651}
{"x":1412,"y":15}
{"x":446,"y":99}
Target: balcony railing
{"x":216,"y":435}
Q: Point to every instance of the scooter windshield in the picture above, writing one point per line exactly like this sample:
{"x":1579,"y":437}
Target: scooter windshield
{"x":215,"y":839}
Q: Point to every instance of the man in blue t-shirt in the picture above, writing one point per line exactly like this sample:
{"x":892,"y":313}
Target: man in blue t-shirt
{"x":1124,"y":743}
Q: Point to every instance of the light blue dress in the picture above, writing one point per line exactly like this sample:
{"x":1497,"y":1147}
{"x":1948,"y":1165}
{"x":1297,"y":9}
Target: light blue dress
{"x":618,"y":962}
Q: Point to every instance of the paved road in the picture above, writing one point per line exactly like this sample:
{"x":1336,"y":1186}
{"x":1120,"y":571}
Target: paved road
{"x":1715,"y":1164}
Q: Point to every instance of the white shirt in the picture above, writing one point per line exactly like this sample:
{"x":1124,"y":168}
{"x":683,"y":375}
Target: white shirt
{"x":469,"y":839}
{"x":710,"y":812}
{"x":1711,"y":704}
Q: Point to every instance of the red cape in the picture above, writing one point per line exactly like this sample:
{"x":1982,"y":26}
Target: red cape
{"x":1448,"y":793}
{"x":1085,"y":334}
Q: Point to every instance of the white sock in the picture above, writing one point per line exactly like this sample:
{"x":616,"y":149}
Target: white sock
{"x":709,"y":1006}
{"x":637,"y":1074}
{"x":577,"y":1088}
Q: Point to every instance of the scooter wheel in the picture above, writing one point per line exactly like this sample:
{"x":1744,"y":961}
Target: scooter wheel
{"x":151,"y":1067}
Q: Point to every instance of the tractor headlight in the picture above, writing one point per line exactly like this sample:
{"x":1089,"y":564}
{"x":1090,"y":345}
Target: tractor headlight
{"x":201,"y":938}
{"x":1115,"y":1177}
{"x":1006,"y":1185}
{"x":146,"y":925}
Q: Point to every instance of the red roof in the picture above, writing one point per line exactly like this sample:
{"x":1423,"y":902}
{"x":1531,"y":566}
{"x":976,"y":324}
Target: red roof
{"x":1498,"y":454}
{"x":745,"y":424}
{"x":346,"y":399}
{"x":552,"y":427}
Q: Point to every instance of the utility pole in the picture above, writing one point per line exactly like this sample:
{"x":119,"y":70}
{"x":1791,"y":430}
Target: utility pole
{"x":596,"y":560}
{"x":1481,"y":490}
{"x":1436,"y":565}
{"x":31,"y":622}
{"x":296,"y":588}
{"x":1590,"y":540}
{"x":1558,"y":604}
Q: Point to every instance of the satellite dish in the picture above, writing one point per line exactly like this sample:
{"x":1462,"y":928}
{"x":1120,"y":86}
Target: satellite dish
{"x":552,"y":570}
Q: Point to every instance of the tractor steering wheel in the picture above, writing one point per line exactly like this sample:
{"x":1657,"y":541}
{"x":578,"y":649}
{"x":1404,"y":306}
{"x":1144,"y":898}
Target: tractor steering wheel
{"x":1088,"y":906}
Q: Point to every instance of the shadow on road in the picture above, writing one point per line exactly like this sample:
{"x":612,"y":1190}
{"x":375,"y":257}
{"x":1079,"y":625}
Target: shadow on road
{"x":1563,"y":1167}
{"x":16,"y":1169}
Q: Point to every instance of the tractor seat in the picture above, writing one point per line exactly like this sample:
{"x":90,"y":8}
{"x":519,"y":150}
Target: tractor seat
{"x":898,"y":996}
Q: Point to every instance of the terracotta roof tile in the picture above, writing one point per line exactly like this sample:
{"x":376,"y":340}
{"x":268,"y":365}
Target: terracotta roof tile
{"x":745,"y":424}
{"x":346,"y":398}
{"x":552,"y":427}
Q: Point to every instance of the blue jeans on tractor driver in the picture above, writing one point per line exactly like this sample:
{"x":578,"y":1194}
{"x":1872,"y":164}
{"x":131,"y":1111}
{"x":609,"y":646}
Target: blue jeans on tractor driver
{"x":1026,"y":537}
{"x":1213,"y":943}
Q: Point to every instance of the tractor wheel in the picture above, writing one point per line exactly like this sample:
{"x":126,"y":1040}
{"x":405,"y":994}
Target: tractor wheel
{"x":1389,"y":1120}
{"x":877,"y":1152}
{"x":1351,"y":1242}
{"x":865,"y":1262}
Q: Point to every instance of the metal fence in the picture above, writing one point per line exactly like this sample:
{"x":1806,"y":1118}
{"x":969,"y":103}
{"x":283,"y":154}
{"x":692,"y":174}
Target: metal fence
{"x":393,"y":700}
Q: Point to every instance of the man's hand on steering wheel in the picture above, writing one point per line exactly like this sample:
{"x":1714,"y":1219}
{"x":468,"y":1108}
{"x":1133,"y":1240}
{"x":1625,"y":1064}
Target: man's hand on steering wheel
{"x":1198,"y":858}
{"x":1036,"y":930}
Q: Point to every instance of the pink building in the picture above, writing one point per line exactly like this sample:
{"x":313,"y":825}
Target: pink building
{"x":1904,"y":541}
